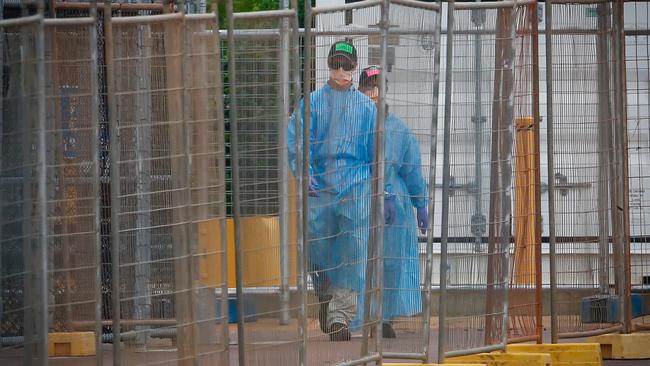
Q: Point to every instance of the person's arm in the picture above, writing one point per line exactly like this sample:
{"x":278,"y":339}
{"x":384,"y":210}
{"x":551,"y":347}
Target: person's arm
{"x":411,"y":170}
{"x":295,"y":126}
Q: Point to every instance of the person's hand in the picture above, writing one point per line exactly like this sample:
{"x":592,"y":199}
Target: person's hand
{"x":423,"y":219}
{"x":313,"y":186}
{"x":389,"y":210}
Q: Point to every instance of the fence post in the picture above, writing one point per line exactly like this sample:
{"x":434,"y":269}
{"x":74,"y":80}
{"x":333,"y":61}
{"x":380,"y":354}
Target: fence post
{"x":431,"y":189}
{"x":114,"y":145}
{"x":444,"y":225}
{"x":551,"y":168}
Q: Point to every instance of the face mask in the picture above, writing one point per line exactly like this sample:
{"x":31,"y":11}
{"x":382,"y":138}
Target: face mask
{"x":341,"y":77}
{"x":372,"y":93}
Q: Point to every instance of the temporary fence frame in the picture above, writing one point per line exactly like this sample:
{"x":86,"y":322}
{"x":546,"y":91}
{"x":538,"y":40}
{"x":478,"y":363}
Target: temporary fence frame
{"x":289,"y":35}
{"x":187,"y":254}
{"x":35,"y":253}
{"x":636,"y":41}
{"x":618,"y":181}
{"x":504,"y":232}
{"x":302,"y":253}
{"x":527,"y":198}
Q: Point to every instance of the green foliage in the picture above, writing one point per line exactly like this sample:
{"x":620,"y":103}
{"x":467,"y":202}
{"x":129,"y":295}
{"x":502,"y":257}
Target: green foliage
{"x":257,"y":5}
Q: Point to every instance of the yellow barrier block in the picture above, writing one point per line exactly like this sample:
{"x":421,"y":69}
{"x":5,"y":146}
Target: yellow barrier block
{"x":504,"y":359}
{"x":71,"y":344}
{"x":577,"y":354}
{"x":432,"y":364}
{"x":623,"y":346}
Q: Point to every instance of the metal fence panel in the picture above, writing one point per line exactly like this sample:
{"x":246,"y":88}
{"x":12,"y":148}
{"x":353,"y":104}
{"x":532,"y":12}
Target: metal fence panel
{"x":525,"y":292}
{"x":637,"y":40}
{"x":345,"y":246}
{"x":476,"y":197}
{"x":23,"y":229}
{"x":587,"y":249}
{"x":264,"y":206}
{"x":205,"y":123}
{"x":411,"y":129}
{"x":156,"y":266}
{"x":73,"y":179}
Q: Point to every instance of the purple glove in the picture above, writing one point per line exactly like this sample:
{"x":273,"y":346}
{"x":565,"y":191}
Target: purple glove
{"x":389,"y":210}
{"x":313,"y":186}
{"x":423,"y":219}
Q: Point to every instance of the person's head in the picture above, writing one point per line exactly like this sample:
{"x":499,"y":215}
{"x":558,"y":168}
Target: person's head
{"x":341,"y":61}
{"x":369,"y":82}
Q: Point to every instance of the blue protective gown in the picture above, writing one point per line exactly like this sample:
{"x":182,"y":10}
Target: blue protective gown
{"x":404,"y":179}
{"x":341,"y":154}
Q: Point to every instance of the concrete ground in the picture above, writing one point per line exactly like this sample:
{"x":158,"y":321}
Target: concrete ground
{"x":276,"y":345}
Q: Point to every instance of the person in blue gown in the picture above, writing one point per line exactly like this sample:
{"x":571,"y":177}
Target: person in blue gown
{"x":341,"y":135}
{"x":407,"y":187}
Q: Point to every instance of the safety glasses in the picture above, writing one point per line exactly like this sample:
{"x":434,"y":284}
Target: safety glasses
{"x":337,"y":62}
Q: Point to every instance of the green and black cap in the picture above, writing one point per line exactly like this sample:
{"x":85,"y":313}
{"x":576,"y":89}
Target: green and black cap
{"x":342,"y":55}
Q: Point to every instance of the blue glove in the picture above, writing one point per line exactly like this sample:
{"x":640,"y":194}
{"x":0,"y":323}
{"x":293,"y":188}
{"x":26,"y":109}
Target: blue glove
{"x":313,"y":186}
{"x":423,"y":219}
{"x":389,"y":210}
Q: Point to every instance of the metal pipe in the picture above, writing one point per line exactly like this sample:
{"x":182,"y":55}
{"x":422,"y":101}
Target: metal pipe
{"x":234,"y":162}
{"x":115,"y":6}
{"x":588,"y":2}
{"x":16,"y":22}
{"x":361,"y":361}
{"x":340,"y":8}
{"x":589,"y":333}
{"x":301,"y":276}
{"x":492,"y":4}
{"x":84,"y":324}
{"x":380,"y":160}
{"x":104,"y":338}
{"x":42,"y":196}
{"x":622,"y":185}
{"x":142,"y":162}
{"x":148,"y":19}
{"x":464,"y":352}
{"x":418,"y":4}
{"x":304,"y":175}
{"x":532,"y":338}
{"x":506,"y":179}
{"x":405,"y":356}
{"x":30,"y":285}
{"x":223,"y":232}
{"x":539,"y":326}
{"x":433,"y":151}
{"x":444,"y":226}
{"x":605,"y":116}
{"x":2,"y":223}
{"x":201,"y":16}
{"x":477,"y":227}
{"x":283,"y":163}
{"x":266,"y":14}
{"x":271,"y":33}
{"x":551,"y":167}
{"x":188,"y":338}
{"x":94,"y":118}
{"x":114,"y":171}
{"x":53,"y":22}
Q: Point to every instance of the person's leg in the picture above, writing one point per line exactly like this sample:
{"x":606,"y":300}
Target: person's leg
{"x":351,"y":246}
{"x":321,"y":224}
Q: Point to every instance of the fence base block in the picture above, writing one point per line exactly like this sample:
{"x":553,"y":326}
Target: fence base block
{"x":504,"y":359}
{"x":71,"y":344}
{"x":433,"y":364}
{"x":576,"y":354}
{"x":623,"y":346}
